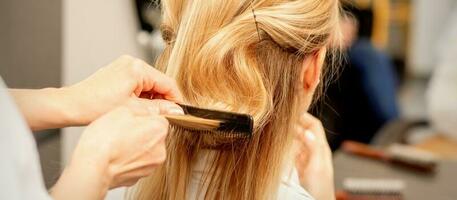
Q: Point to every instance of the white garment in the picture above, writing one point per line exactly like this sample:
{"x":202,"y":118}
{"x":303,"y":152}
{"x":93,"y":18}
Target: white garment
{"x":289,"y":187}
{"x":20,"y":172}
{"x":442,"y":91}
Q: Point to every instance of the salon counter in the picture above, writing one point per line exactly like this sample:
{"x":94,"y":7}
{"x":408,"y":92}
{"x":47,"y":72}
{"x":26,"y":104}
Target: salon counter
{"x":442,"y":185}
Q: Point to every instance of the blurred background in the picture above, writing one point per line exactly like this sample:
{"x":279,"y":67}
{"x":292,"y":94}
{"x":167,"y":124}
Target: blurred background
{"x":398,"y":83}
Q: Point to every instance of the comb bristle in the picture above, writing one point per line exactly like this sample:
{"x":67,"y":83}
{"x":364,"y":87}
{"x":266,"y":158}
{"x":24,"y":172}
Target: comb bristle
{"x":229,"y":124}
{"x":191,"y":122}
{"x":213,"y":133}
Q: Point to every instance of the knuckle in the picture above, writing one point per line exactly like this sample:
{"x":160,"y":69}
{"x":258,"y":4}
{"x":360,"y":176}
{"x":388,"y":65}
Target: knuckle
{"x":126,"y":110}
{"x":310,"y":117}
{"x":305,"y":118}
{"x":159,"y":125}
{"x":299,"y":130}
{"x":121,"y":111}
{"x":133,"y":67}
{"x":136,"y":68}
{"x":169,"y":80}
{"x":126,"y":57}
{"x":314,"y":120}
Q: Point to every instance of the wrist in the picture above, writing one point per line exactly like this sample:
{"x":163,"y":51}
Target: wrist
{"x":74,"y":109}
{"x":96,"y":170}
{"x":47,"y":108}
{"x":82,"y":180}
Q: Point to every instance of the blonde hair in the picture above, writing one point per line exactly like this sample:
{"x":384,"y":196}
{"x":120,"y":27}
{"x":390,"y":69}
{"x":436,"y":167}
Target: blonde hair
{"x":224,"y":59}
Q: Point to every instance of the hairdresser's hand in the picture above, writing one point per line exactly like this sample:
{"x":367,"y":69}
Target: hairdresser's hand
{"x":116,"y":150}
{"x":115,"y":83}
{"x":85,"y":101}
{"x":314,"y":158}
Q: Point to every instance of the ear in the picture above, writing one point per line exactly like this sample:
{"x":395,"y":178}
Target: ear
{"x":311,"y":70}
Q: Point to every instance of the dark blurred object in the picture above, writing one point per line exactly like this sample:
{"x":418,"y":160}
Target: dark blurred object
{"x":149,"y":36}
{"x":49,"y":147}
{"x":143,"y":7}
{"x":364,"y":18}
{"x":364,"y":98}
{"x":401,"y":155}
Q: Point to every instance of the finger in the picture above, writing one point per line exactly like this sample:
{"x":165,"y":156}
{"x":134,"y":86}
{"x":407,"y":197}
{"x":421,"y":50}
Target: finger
{"x":124,"y":60}
{"x":308,"y":121}
{"x":131,"y":177}
{"x":305,"y":148}
{"x":299,"y":131}
{"x":313,"y":124}
{"x":142,"y":172}
{"x":162,"y":107}
{"x":148,"y":170}
{"x":306,"y":138}
{"x":157,"y":82}
{"x":315,"y":133}
{"x":154,"y":128}
{"x":147,"y":107}
{"x":314,"y":136}
{"x":157,"y":153}
{"x":156,"y":146}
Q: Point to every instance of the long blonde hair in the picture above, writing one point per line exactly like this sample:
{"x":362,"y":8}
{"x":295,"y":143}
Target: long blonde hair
{"x":224,"y":59}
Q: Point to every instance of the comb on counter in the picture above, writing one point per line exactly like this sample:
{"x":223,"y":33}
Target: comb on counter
{"x":401,"y":155}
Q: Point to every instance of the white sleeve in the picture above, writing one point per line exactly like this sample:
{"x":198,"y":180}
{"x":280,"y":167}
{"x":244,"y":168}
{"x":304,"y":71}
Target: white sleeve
{"x":20,"y":171}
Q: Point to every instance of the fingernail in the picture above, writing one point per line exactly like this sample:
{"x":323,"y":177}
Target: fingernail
{"x":175,"y":111}
{"x":310,"y":135}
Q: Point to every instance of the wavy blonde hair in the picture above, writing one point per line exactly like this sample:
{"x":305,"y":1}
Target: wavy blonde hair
{"x":223,"y":59}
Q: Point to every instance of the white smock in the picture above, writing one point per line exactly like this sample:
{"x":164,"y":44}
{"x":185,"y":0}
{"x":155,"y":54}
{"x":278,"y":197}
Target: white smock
{"x":20,"y":171}
{"x":289,"y":187}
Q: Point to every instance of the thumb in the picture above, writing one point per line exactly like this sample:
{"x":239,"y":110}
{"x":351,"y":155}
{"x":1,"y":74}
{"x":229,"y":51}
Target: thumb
{"x":306,"y":138}
{"x":160,"y":106}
